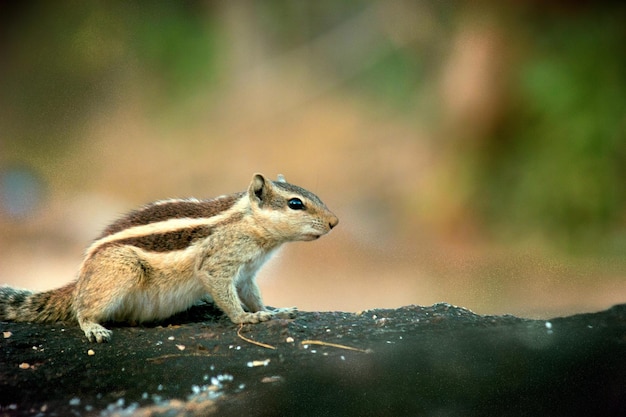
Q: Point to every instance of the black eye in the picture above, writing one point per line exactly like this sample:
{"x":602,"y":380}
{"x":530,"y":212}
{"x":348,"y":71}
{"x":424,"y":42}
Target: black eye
{"x":296,"y":204}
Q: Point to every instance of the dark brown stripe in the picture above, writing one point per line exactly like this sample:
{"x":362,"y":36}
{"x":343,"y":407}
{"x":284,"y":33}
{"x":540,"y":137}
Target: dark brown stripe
{"x":171,"y":240}
{"x":158,"y":212}
{"x":166,"y":242}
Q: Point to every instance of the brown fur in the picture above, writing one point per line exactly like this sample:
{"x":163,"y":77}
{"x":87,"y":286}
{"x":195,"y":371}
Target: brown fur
{"x":164,"y":257}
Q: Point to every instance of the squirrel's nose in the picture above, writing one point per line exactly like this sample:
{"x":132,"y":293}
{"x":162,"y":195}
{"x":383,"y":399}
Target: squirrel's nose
{"x":333,"y":222}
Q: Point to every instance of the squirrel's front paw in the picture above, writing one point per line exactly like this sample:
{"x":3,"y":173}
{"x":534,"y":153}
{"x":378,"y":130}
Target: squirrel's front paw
{"x":284,"y":313}
{"x":252,"y":318}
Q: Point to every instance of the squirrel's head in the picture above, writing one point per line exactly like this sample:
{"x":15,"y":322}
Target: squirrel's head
{"x":287,"y":211}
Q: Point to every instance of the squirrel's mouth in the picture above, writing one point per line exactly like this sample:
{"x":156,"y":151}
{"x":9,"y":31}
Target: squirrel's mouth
{"x":311,"y":236}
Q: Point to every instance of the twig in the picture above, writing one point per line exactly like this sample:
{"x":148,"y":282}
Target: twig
{"x":254,"y":342}
{"x":178,"y":355}
{"x":335,"y":345}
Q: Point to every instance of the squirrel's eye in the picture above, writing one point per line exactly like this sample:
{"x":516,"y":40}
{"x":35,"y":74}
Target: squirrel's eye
{"x":296,"y":204}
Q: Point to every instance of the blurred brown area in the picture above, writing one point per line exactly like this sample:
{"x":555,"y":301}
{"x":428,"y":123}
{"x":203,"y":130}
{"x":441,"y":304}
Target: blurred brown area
{"x":474,"y":153}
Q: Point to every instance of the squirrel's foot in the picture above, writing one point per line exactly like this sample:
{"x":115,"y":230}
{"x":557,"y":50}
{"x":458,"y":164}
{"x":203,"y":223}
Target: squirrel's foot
{"x":252,"y":318}
{"x":267,"y":314}
{"x":284,"y":313}
{"x":96,"y":332}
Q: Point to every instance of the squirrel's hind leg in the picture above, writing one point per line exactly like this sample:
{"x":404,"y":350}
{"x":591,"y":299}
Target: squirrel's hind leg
{"x":106,"y":281}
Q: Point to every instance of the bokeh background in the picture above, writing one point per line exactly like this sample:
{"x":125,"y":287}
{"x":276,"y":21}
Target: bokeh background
{"x":475,"y":152}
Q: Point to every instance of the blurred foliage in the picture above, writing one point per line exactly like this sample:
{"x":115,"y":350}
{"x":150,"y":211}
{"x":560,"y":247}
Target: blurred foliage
{"x":68,"y":59}
{"x":557,"y":164}
{"x":394,"y":78}
{"x":290,"y":24}
{"x":553,"y":163}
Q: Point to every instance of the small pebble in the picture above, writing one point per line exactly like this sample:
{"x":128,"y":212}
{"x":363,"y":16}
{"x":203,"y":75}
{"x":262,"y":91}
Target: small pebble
{"x":270,"y":379}
{"x":253,"y":364}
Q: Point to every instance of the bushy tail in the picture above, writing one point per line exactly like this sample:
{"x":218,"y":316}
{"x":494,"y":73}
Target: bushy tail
{"x":47,"y":306}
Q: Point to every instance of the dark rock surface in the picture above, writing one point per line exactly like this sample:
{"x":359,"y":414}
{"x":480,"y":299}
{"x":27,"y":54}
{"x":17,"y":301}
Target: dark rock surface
{"x":415,"y":361}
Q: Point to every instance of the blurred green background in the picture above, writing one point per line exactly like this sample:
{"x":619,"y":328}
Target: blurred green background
{"x":475,"y":152}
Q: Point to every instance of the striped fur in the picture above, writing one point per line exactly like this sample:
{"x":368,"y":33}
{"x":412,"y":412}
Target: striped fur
{"x":173,"y":209}
{"x":171,"y":223}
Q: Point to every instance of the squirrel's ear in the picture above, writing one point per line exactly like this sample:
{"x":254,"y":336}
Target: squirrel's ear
{"x":281,"y":178}
{"x":259,"y":188}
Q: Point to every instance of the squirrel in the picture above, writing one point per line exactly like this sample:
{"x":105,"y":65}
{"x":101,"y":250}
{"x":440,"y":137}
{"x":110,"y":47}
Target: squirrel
{"x":164,"y":257}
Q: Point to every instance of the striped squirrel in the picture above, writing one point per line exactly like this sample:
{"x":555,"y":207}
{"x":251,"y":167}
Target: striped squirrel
{"x":162,"y":258}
